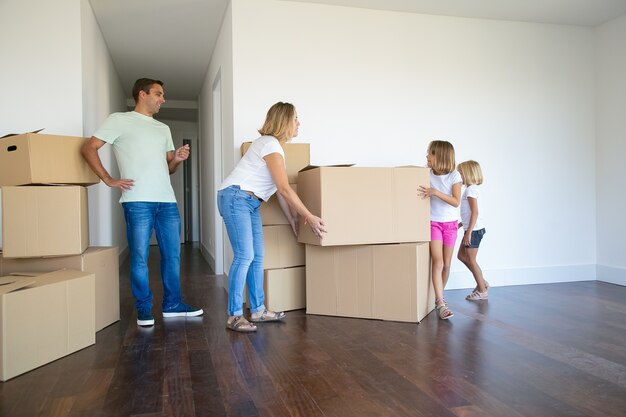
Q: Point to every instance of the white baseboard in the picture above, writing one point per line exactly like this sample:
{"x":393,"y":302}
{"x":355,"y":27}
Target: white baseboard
{"x":611,"y":274}
{"x":124,"y":253}
{"x":524,"y":276}
{"x":208,"y":256}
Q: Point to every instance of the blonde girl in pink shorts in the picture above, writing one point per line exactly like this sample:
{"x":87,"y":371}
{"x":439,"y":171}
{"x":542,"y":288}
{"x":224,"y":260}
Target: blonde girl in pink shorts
{"x":445,"y":196}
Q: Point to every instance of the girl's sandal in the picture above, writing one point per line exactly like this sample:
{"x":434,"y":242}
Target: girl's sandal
{"x":486,"y":287}
{"x":477,"y":295}
{"x":444,"y":312}
{"x":240,"y":324}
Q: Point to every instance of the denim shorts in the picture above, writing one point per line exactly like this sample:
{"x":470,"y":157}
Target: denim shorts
{"x":477,"y":236}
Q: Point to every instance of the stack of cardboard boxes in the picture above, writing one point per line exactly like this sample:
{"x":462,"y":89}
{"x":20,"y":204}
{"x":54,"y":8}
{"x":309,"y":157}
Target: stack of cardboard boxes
{"x":284,"y":257}
{"x":55,"y":291}
{"x":374,"y":260}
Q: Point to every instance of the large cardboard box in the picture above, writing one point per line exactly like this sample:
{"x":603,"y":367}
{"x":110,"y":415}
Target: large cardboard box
{"x":44,"y":318}
{"x":271,"y":213}
{"x":44,"y":221}
{"x":282,"y":250}
{"x":388,"y":282}
{"x":103,"y":262}
{"x":297,"y":156}
{"x":34,"y":158}
{"x":365,"y":205}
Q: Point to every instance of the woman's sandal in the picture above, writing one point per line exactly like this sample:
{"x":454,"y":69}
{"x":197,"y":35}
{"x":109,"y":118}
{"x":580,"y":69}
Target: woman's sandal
{"x":240,"y":324}
{"x":444,"y":312}
{"x":267,"y":316}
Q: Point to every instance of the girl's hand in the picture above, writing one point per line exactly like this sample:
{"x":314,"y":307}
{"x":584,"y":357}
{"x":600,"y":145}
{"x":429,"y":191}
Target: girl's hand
{"x":317,"y":226}
{"x":426,"y":192}
{"x":467,"y":238}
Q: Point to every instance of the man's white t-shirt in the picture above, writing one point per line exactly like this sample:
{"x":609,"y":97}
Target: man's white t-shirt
{"x":440,"y":211}
{"x":473,"y":191}
{"x":251,"y":173}
{"x":140,"y":144}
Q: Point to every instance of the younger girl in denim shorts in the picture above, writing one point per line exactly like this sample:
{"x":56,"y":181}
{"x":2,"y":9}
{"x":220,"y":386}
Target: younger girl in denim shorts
{"x":474,"y":226}
{"x":445,"y":196}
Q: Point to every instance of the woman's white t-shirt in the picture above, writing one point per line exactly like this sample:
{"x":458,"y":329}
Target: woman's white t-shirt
{"x":440,"y":211}
{"x":473,"y":191}
{"x":251,"y":173}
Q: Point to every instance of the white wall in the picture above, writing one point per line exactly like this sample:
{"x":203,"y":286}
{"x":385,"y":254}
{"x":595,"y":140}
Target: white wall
{"x":102,"y":94}
{"x":214,"y":160}
{"x":611,"y":150}
{"x":517,"y":97}
{"x":40,"y":75}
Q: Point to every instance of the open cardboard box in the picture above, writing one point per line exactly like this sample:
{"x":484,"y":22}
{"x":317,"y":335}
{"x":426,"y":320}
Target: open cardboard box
{"x":43,"y":318}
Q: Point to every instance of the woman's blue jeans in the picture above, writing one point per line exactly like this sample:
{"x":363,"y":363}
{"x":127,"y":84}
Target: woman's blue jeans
{"x":141,"y":219}
{"x":240,"y":212}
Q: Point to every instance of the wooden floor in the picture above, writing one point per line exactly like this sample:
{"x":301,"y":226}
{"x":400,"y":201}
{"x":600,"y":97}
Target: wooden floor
{"x":536,"y":350}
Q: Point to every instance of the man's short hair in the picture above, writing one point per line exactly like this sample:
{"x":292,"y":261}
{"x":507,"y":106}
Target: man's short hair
{"x":144,"y":84}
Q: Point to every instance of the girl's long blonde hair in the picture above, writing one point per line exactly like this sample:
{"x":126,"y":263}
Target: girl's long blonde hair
{"x":471,"y":172}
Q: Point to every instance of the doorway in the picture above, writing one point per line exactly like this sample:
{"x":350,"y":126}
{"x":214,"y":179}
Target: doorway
{"x":188,"y":195}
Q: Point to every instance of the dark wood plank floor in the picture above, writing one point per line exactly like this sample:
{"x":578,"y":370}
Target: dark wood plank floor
{"x":537,"y":350}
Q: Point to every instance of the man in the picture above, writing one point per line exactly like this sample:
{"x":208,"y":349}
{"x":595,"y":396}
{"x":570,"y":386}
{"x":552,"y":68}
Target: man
{"x":146,"y":157}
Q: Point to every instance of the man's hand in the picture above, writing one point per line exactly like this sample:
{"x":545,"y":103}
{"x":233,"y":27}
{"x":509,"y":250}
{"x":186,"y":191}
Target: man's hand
{"x":181,"y":153}
{"x":122,"y":184}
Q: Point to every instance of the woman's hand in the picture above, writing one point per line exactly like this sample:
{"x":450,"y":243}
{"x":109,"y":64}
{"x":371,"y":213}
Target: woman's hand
{"x":317,"y":225}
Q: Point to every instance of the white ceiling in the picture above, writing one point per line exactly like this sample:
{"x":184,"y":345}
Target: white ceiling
{"x":173,"y":40}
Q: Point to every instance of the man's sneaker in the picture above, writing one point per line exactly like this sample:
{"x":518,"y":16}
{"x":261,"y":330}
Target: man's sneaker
{"x":182,"y":310}
{"x":144,"y":318}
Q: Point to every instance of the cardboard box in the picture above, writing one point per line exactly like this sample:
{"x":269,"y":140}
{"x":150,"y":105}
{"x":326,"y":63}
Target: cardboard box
{"x":297,"y":156}
{"x":103,"y":262}
{"x":44,"y":318}
{"x":285,"y":289}
{"x":271,"y":213}
{"x":365,"y":205}
{"x":44,"y":221}
{"x":388,"y":282}
{"x":282,"y":250}
{"x":34,"y":158}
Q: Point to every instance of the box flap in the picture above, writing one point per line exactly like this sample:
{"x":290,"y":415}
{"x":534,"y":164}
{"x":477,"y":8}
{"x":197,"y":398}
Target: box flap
{"x":26,"y":274}
{"x":12,"y":283}
{"x":308,"y":167}
{"x":15,"y":134}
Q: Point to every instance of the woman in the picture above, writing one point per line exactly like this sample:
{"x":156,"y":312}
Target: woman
{"x":258,"y":175}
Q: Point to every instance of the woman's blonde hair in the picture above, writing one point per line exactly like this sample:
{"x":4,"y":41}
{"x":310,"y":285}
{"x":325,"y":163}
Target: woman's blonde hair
{"x":278,"y":122}
{"x":472,"y":174}
{"x":443,"y":152}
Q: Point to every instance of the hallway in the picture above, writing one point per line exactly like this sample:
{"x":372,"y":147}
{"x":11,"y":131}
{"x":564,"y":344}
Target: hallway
{"x":535,"y":350}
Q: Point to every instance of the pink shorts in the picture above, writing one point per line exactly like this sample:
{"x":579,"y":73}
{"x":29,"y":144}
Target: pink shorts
{"x":445,"y":231}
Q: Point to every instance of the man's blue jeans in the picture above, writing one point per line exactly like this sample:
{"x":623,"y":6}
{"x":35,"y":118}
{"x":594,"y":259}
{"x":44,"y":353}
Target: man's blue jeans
{"x":141,"y":219}
{"x":240,"y":212}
